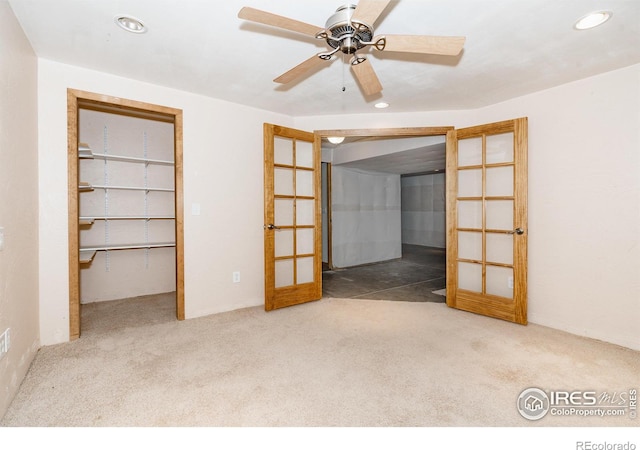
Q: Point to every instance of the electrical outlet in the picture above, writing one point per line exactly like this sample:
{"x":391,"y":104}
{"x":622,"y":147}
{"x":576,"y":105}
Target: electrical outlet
{"x":236,"y":277}
{"x":5,"y":342}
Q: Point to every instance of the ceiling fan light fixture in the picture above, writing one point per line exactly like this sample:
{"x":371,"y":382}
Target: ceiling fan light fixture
{"x":336,"y":139}
{"x":130,"y":24}
{"x":592,"y":20}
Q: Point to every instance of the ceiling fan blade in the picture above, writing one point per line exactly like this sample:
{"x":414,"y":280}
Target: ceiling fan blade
{"x":300,"y":69}
{"x":368,"y":11}
{"x":433,"y":45}
{"x":267,"y":18}
{"x":366,"y":77}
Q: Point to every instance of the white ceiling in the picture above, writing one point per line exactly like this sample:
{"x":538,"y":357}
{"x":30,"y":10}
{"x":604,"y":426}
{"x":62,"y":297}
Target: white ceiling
{"x":398,"y":155}
{"x":513,"y":47}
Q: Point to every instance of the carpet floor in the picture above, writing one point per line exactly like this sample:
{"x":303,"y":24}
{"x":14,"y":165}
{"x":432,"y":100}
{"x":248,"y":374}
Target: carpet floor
{"x":336,"y":362}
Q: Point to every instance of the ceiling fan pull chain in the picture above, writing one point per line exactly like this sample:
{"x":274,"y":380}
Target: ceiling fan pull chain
{"x":344,"y":88}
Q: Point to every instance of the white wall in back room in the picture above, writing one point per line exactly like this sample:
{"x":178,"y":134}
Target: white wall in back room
{"x":423,"y":210}
{"x":365,"y":216}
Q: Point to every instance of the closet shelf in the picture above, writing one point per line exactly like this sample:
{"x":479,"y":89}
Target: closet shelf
{"x":126,"y":247}
{"x":134,"y":188}
{"x":92,"y":218}
{"x":85,"y":152}
{"x":132,"y":159}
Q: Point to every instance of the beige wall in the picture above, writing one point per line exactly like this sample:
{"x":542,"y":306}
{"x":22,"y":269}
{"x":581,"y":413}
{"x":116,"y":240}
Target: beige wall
{"x":222,"y":173}
{"x":19,"y":216}
{"x":584,"y":198}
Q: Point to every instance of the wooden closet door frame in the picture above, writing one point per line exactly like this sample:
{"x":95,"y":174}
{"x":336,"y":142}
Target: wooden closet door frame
{"x":77,"y":100}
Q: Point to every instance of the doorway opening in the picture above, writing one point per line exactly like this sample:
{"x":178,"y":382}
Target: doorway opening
{"x":384,"y":229}
{"x":125,"y":202}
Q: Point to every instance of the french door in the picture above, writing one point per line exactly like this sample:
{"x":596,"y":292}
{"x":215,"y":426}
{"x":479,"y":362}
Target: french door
{"x":292,"y":217}
{"x":486,"y":216}
{"x":487,"y":220}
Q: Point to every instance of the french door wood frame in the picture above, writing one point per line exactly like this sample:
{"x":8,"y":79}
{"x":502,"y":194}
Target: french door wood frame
{"x":77,"y":100}
{"x":327,"y":203}
{"x":292,"y":217}
{"x":487,"y":220}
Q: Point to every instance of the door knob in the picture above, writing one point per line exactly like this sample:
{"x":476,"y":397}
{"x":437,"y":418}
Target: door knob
{"x":271,"y":227}
{"x":516,"y":231}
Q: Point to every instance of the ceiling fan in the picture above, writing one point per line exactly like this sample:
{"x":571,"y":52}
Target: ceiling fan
{"x":349,"y":30}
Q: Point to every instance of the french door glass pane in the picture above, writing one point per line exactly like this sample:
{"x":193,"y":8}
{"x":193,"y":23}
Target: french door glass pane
{"x":284,"y":273}
{"x":304,"y":241}
{"x":305,"y":212}
{"x":499,"y":181}
{"x":470,"y":214}
{"x":304,"y":154}
{"x":305,"y":270}
{"x":282,"y":151}
{"x":499,"y":248}
{"x":283,"y":242}
{"x":499,"y":215}
{"x":304,"y":183}
{"x":283,"y":212}
{"x":283,"y":181}
{"x":470,"y":245}
{"x":470,"y":183}
{"x":470,"y":277}
{"x":499,"y":148}
{"x":470,"y":152}
{"x":499,"y":281}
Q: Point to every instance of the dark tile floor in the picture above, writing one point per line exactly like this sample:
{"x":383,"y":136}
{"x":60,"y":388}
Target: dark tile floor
{"x":413,"y":278}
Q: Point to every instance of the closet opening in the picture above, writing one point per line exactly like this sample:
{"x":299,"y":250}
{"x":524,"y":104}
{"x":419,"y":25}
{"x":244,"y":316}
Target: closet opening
{"x":125,"y":202}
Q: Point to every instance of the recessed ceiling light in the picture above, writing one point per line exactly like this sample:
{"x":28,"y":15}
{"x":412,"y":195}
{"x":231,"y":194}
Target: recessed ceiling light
{"x":130,"y":24}
{"x":592,"y":20}
{"x":381,"y":105}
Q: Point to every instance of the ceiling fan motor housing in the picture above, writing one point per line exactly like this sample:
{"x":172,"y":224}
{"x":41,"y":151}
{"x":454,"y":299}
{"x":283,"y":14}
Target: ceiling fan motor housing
{"x":346,"y":35}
